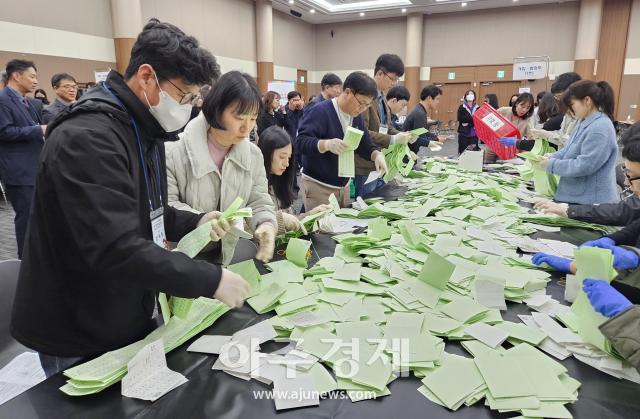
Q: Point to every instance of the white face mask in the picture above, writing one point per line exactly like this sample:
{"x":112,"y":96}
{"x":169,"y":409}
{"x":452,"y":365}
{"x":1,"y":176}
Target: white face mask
{"x":168,"y":112}
{"x":470,"y":98}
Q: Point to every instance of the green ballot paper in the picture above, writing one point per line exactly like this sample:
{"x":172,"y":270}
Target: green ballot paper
{"x":418,"y":131}
{"x":346,"y":164}
{"x":297,"y":251}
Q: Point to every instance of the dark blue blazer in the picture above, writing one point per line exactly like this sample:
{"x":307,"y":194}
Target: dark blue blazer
{"x":21,"y":140}
{"x":321,"y":123}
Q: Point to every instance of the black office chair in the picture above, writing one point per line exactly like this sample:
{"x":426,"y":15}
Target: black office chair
{"x":9,"y":347}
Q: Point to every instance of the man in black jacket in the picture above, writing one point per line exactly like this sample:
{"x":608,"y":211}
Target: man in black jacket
{"x":95,"y":254}
{"x":618,"y":214}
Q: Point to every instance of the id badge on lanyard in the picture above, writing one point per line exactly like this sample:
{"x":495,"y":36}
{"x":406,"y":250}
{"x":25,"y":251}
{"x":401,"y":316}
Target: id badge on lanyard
{"x":383,"y":129}
{"x":157,"y":228}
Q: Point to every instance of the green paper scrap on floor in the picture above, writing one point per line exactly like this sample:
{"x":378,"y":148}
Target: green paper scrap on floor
{"x":415,"y":280}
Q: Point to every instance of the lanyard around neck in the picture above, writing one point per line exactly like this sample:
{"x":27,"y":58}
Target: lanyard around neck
{"x":156,"y":156}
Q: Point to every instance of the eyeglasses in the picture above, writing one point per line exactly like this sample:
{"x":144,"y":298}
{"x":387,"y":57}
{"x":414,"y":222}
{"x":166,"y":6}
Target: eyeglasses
{"x":187,"y":97}
{"x":629,"y":178}
{"x":361,"y":105}
{"x":393,"y":80}
{"x":69,"y":87}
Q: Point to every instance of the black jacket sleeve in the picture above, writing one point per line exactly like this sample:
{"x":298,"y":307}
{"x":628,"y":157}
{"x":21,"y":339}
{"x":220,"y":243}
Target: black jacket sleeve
{"x":554,"y":123}
{"x":628,"y":236}
{"x":526,"y":145}
{"x":619,"y":214}
{"x":100,"y":195}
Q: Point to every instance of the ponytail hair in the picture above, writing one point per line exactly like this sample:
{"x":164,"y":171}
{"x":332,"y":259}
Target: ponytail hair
{"x":600,"y":93}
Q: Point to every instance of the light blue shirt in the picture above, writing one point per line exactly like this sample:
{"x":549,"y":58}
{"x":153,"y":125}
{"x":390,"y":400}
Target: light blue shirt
{"x":586,"y":165}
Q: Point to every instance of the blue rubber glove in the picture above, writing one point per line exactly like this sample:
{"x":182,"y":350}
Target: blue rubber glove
{"x":557,"y":263}
{"x":602,"y":243}
{"x":508,"y":141}
{"x":605,"y":299}
{"x":624,"y":259}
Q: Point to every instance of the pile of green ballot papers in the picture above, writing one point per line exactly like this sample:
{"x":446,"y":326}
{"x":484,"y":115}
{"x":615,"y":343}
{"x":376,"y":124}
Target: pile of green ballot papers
{"x":437,"y":265}
{"x":96,"y":375}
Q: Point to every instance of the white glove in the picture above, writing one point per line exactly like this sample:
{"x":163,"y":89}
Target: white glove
{"x":413,"y":156}
{"x":319,"y":208}
{"x":219,"y":228}
{"x":550,"y":207}
{"x":266,"y":236}
{"x":232,"y":289}
{"x":291,"y":222}
{"x":335,"y":146}
{"x":402,"y":138}
{"x":381,"y":164}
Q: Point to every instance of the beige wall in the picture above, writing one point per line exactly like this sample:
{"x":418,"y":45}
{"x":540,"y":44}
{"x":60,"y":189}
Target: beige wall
{"x":633,"y":42}
{"x":92,"y":17}
{"x":225,"y":27}
{"x":357,"y":45}
{"x":496,"y":36}
{"x":293,"y":42}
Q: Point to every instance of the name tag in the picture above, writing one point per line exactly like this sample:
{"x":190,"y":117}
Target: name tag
{"x":157,"y":228}
{"x":383,"y":129}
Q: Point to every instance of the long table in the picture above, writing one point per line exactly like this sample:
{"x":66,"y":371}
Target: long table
{"x":214,"y":394}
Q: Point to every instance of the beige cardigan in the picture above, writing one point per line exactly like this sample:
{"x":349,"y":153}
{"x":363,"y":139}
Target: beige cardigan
{"x":522,"y":124}
{"x":196,"y":184}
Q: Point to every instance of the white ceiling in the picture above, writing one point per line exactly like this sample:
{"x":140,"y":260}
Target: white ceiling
{"x":328,"y":11}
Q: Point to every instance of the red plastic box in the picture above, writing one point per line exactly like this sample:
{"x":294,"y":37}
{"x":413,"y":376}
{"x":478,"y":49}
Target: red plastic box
{"x":491,"y":126}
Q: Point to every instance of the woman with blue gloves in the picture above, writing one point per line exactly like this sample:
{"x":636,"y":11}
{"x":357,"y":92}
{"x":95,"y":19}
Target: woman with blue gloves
{"x":586,"y":165}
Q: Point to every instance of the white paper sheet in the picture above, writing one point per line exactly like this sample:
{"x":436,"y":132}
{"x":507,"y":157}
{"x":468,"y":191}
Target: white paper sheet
{"x":23,"y":372}
{"x":209,"y":344}
{"x":471,"y":160}
{"x":148,"y":377}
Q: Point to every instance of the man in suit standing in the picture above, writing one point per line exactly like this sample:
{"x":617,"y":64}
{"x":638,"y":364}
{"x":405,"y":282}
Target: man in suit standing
{"x":66,"y":90}
{"x":21,"y":139}
{"x":377,"y":118}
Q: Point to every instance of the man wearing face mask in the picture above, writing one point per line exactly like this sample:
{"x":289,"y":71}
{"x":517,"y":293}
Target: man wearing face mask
{"x":95,"y":255}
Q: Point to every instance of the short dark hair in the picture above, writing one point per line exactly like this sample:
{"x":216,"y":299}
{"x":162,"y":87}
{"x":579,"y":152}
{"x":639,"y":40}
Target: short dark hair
{"x":292,"y":94}
{"x":539,"y":97}
{"x":600,"y":93}
{"x":270,"y":140}
{"x":492,"y":99}
{"x":162,"y":45}
{"x":548,"y":107}
{"x":563,"y":82}
{"x":360,"y":83}
{"x":330,"y":79}
{"x":524,"y":98}
{"x":57,"y":78}
{"x":431,"y":91}
{"x":398,"y":93}
{"x":233,"y":88}
{"x":18,"y":66}
{"x":389,"y":63}
{"x":630,"y":141}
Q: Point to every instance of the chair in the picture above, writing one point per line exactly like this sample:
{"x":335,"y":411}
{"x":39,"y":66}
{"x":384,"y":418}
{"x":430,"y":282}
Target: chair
{"x":9,"y":347}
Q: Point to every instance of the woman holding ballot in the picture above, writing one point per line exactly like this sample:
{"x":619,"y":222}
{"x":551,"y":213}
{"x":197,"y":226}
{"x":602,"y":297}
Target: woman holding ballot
{"x":586,"y":165}
{"x":276,"y":147}
{"x":213,"y":163}
{"x":327,"y":160}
